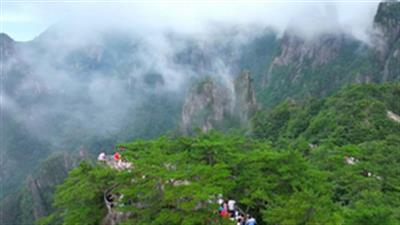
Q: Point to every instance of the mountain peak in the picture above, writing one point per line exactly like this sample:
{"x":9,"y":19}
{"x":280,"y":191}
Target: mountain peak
{"x":7,"y":45}
{"x":5,"y":38}
{"x":387,"y":19}
{"x":388,"y":10}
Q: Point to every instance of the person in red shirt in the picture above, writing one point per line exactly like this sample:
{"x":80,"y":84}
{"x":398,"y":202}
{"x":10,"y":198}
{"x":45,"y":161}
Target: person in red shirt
{"x":117,"y":156}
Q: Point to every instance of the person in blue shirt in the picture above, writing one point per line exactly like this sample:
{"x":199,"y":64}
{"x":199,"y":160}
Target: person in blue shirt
{"x":251,"y":221}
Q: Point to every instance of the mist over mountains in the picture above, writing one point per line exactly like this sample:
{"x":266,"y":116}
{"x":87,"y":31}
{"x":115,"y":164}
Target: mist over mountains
{"x":57,"y":85}
{"x":67,"y":91}
{"x":94,"y":74}
{"x":80,"y":87}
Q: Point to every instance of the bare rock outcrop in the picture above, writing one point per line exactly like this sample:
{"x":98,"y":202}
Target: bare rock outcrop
{"x":212,"y":105}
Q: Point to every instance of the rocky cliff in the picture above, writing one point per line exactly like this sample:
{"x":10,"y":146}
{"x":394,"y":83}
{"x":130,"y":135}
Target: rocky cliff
{"x":387,"y":25}
{"x":208,"y":103}
{"x":7,"y":47}
{"x":322,"y":64}
{"x":313,"y":67}
{"x":298,"y":55}
{"x":33,"y":201}
{"x":245,"y":103}
{"x":212,"y":104}
{"x":387,"y":22}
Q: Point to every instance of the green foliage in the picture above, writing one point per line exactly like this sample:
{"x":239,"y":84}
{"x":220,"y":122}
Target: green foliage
{"x":79,"y":200}
{"x":292,"y":173}
{"x":177,"y":181}
{"x":354,"y":115}
{"x":354,"y":122}
{"x":364,"y":199}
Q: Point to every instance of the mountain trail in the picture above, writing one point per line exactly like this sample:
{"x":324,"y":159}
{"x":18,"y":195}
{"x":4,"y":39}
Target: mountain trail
{"x":391,"y":115}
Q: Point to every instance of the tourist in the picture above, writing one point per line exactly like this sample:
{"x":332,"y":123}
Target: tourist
{"x":251,"y":221}
{"x":102,"y":157}
{"x":117,"y":156}
{"x":231,"y":207}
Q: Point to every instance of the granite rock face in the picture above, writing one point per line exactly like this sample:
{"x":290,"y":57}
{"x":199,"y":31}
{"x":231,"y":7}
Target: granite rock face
{"x":387,"y":25}
{"x":211,"y":104}
{"x":35,"y":198}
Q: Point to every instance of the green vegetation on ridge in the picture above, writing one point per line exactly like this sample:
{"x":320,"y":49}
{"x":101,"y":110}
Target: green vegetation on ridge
{"x":354,"y":115}
{"x":292,"y":172}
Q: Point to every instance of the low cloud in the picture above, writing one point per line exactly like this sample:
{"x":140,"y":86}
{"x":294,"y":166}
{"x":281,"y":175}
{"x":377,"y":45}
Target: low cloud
{"x":91,"y":72}
{"x":192,"y":16}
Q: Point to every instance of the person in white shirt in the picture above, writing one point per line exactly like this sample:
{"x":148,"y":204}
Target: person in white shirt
{"x":231,"y":207}
{"x":102,"y":157}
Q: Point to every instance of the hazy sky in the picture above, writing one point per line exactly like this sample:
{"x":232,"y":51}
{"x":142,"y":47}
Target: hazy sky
{"x":23,"y":20}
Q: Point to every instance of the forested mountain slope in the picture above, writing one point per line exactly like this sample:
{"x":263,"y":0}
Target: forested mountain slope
{"x":317,"y":66}
{"x":345,"y":174}
{"x":34,"y":199}
{"x":356,"y":114}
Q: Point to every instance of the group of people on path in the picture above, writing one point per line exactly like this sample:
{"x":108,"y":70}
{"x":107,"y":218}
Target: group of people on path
{"x":103,"y":157}
{"x":228,"y":209}
{"x":115,"y":161}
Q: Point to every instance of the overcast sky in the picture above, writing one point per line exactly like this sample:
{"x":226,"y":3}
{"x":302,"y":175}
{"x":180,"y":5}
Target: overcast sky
{"x":25,"y":20}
